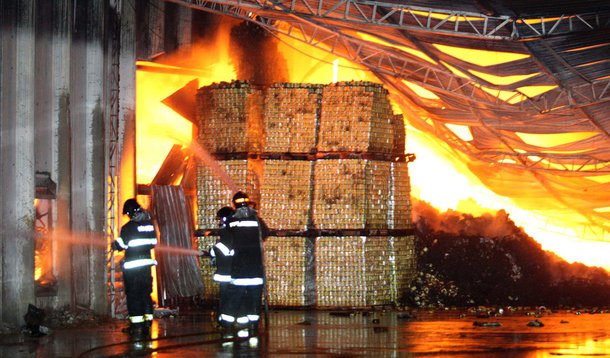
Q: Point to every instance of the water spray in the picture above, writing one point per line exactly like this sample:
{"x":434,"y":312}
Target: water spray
{"x":76,"y":240}
{"x":206,"y":158}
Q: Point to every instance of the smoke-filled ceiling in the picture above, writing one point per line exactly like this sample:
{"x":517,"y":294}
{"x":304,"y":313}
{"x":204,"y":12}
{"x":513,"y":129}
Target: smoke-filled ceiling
{"x":519,"y":90}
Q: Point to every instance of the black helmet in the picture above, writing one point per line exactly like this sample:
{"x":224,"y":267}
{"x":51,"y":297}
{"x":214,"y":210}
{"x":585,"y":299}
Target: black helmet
{"x":224,"y":213}
{"x":131,"y":207}
{"x":240,"y":199}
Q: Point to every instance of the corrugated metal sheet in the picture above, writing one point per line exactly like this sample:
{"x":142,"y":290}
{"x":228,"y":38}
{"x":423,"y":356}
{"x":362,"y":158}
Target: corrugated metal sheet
{"x":178,"y":271}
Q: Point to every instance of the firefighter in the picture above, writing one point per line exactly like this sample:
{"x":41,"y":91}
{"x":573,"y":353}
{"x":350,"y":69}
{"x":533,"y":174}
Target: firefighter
{"x":247,"y":270}
{"x":222,"y":255}
{"x":137,"y":238}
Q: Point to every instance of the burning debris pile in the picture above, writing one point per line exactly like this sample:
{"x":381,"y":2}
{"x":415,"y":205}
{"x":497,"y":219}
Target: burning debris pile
{"x":465,"y":260}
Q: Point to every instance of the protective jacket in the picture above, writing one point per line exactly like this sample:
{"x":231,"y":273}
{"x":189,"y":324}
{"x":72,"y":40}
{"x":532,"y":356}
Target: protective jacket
{"x":138,"y":237}
{"x":248,"y":230}
{"x":223,"y":253}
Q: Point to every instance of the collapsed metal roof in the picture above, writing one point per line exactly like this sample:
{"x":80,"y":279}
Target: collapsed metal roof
{"x":532,"y":122}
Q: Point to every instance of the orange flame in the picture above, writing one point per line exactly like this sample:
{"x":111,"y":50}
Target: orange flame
{"x":438,"y":176}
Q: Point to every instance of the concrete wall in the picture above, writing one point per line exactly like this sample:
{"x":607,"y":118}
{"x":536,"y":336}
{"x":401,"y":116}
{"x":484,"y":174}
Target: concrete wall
{"x":54,"y":64}
{"x":17,"y":83}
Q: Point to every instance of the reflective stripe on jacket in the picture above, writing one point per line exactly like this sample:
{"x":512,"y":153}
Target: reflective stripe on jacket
{"x":138,"y":237}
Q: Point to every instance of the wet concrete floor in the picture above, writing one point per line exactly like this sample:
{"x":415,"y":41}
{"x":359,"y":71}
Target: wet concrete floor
{"x":338,"y":334}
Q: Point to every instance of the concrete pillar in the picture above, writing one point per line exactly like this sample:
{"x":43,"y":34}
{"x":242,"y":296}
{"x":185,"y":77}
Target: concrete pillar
{"x":61,"y":146}
{"x":185,"y":28}
{"x":151,"y":27}
{"x":88,"y":182}
{"x":178,"y":28}
{"x":17,"y":213}
{"x":127,"y":115}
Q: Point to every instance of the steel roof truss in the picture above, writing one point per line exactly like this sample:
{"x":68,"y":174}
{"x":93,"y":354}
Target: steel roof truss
{"x":380,"y":14}
{"x":433,"y":79}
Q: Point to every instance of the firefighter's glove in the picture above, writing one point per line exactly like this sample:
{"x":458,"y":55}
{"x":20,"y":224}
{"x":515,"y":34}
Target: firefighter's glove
{"x":116,"y":246}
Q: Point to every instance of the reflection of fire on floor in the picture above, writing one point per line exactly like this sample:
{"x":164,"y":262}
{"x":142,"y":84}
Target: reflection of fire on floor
{"x":346,"y":333}
{"x":467,"y":261}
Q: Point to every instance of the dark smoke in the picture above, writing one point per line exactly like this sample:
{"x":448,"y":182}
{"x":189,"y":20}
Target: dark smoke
{"x":256,"y":54}
{"x":465,"y":260}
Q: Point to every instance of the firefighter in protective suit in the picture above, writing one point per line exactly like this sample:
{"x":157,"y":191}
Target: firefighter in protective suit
{"x":247,"y":271}
{"x":137,"y":238}
{"x":222,"y":255}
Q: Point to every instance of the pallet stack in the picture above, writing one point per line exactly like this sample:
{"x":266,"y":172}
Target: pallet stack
{"x":328,"y":171}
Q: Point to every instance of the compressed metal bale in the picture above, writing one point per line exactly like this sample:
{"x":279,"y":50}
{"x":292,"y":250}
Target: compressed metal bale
{"x":230,"y":117}
{"x":285,"y":265}
{"x":405,"y":268}
{"x":355,"y":117}
{"x":333,"y":194}
{"x":286,"y":194}
{"x":377,"y":194}
{"x":291,"y":117}
{"x":379,"y":276}
{"x":351,"y":194}
{"x":399,"y":203}
{"x":360,"y":271}
{"x":399,"y":134}
{"x":340,"y":271}
{"x":339,"y":193}
{"x":211,"y":287}
{"x":213,"y":193}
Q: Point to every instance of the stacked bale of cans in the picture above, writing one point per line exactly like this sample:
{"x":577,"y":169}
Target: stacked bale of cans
{"x":331,"y":179}
{"x":351,"y":194}
{"x":285,"y":265}
{"x":355,"y":117}
{"x":286,"y":194}
{"x":210,"y":287}
{"x":358,"y":192}
{"x":230,"y":117}
{"x":230,"y":121}
{"x":214,"y":193}
{"x":291,"y":117}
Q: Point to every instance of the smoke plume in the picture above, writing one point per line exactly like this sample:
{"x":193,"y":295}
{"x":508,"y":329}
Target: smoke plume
{"x":255,"y":51}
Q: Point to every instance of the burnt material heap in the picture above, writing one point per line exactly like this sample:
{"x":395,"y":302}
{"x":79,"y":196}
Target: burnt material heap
{"x":326,"y":165}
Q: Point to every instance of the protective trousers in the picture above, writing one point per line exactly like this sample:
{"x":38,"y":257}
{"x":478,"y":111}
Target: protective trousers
{"x":225,"y":316}
{"x":245,"y":304}
{"x":138,"y":287}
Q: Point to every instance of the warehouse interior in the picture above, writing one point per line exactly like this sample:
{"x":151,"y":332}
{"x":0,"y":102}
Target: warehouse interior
{"x":516,"y":92}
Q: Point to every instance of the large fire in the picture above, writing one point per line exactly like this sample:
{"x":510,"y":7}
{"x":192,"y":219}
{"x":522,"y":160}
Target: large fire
{"x":439,"y":176}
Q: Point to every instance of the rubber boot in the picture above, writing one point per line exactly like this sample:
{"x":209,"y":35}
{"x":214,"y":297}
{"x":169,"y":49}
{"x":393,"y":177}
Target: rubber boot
{"x":137,"y":331}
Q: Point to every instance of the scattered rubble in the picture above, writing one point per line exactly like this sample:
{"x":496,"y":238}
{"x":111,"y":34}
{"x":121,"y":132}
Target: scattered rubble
{"x":486,"y":324}
{"x":161,"y":312}
{"x":535,"y":323}
{"x":70,"y":317}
